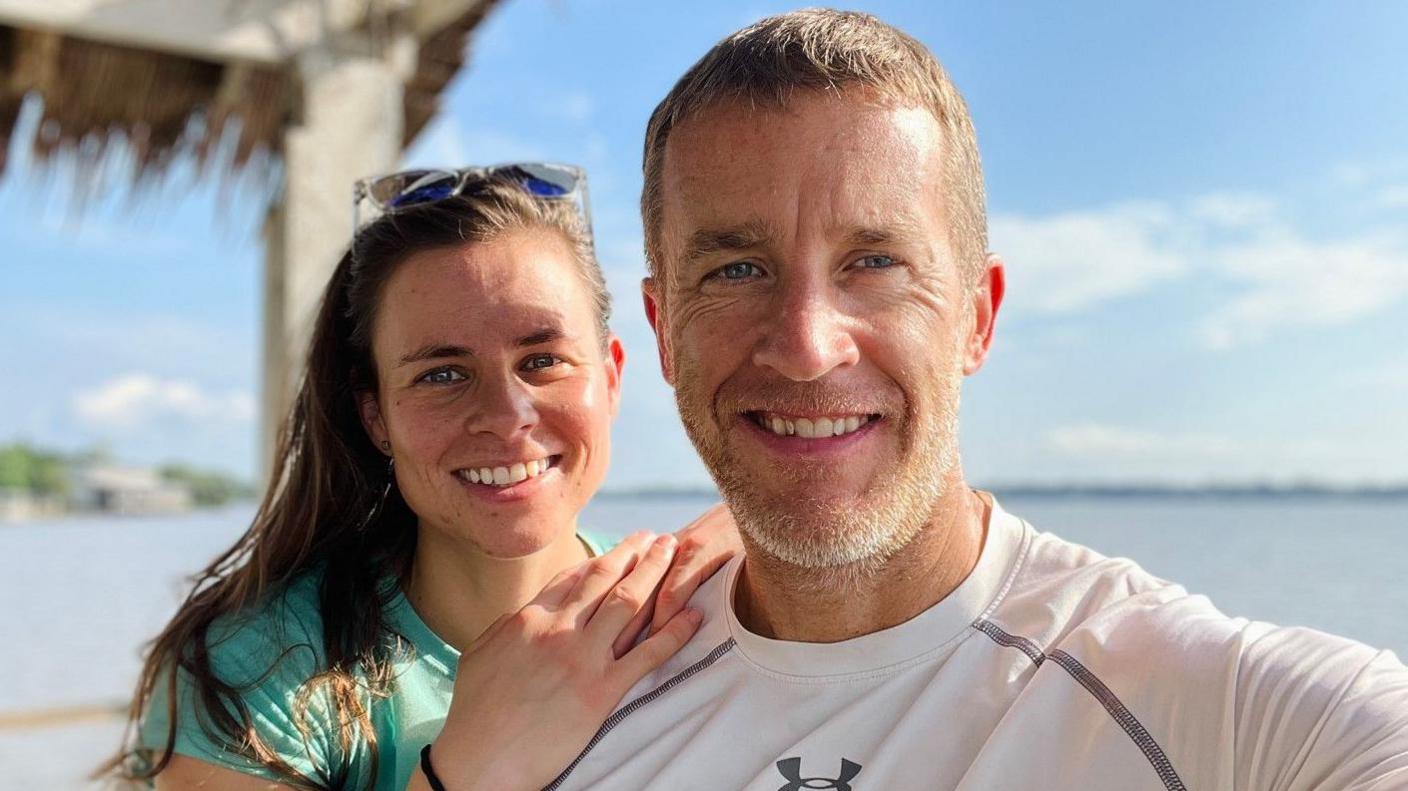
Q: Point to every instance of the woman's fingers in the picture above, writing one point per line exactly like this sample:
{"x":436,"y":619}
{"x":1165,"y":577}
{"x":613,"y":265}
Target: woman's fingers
{"x":658,"y":647}
{"x":600,"y":575}
{"x":626,"y":601}
{"x":705,"y":545}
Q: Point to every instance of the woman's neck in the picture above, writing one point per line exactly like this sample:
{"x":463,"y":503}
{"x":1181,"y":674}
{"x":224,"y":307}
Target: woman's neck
{"x":458,"y":590}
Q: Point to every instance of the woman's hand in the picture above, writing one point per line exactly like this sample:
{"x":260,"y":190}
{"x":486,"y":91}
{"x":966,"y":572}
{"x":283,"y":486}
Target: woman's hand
{"x":534,"y":688}
{"x":705,"y":545}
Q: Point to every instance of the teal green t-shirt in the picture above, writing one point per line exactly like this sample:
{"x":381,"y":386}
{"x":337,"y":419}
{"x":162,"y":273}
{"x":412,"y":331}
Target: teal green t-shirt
{"x":275,"y":650}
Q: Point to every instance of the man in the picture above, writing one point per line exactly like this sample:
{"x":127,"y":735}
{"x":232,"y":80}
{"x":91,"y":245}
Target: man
{"x":819,"y":287}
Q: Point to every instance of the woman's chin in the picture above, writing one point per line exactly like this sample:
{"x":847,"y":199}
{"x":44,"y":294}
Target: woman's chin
{"x":518,"y":537}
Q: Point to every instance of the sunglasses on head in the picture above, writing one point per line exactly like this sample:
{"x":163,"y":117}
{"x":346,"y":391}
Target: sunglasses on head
{"x":382,"y":195}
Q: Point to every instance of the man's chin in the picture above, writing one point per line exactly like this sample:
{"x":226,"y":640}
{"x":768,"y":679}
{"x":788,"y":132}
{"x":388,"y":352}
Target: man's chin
{"x":812,"y":531}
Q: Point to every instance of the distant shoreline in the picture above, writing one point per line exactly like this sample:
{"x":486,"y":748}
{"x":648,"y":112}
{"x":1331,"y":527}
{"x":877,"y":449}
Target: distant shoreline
{"x":1102,"y":491}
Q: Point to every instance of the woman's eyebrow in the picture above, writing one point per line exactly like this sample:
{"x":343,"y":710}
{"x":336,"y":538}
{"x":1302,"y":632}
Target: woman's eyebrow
{"x":435,"y":351}
{"x":545,"y":335}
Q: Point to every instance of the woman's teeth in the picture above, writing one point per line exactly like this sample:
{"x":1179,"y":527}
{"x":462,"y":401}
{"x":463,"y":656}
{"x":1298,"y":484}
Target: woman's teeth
{"x":812,"y":428}
{"x":506,"y":476}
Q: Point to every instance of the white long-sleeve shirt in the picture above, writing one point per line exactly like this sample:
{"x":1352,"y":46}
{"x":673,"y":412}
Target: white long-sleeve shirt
{"x":1049,"y":667}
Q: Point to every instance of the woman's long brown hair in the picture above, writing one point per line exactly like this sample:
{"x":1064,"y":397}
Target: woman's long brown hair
{"x":324,"y":507}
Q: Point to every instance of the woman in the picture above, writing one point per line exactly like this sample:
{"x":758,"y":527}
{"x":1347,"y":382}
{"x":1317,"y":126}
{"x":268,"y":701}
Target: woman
{"x":415,"y":573}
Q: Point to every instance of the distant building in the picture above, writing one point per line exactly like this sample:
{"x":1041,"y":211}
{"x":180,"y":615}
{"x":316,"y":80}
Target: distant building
{"x":19,"y":505}
{"x":127,"y":490}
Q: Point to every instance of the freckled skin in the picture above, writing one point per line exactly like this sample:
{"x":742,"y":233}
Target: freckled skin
{"x":816,"y":313}
{"x":505,"y":401}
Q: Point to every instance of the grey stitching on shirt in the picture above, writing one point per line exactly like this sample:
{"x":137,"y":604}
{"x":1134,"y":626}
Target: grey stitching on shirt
{"x":630,"y":708}
{"x":1116,"y":709}
{"x":1011,"y":641}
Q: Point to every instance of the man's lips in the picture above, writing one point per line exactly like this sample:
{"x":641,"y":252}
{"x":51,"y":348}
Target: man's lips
{"x":811,"y":426}
{"x":798,"y":445}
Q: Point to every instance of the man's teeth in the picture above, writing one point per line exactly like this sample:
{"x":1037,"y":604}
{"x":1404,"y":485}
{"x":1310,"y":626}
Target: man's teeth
{"x":813,"y":428}
{"x":506,"y":476}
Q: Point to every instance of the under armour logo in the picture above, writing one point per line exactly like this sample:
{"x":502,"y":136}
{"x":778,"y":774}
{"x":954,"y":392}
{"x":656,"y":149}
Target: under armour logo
{"x":791,"y":768}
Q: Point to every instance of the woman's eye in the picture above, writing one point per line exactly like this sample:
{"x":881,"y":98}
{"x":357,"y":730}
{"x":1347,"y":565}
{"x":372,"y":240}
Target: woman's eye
{"x":443,"y":376}
{"x":876,"y":262}
{"x":539,"y":362}
{"x":739,"y":270}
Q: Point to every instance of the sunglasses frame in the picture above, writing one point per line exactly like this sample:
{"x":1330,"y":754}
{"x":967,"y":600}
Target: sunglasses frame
{"x":519,"y":173}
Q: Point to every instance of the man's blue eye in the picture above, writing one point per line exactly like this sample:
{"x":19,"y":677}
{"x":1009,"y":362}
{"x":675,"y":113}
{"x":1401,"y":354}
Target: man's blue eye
{"x":443,"y":376}
{"x":740,"y":270}
{"x":539,"y":362}
{"x":876,"y":262}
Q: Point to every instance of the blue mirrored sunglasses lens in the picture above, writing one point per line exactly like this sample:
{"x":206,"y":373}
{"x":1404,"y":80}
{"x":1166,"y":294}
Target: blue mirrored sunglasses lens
{"x":424,"y":194}
{"x":543,"y":188}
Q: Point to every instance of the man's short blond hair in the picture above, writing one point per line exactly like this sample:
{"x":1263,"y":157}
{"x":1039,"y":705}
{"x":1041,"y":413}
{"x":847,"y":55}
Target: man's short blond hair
{"x":819,"y":49}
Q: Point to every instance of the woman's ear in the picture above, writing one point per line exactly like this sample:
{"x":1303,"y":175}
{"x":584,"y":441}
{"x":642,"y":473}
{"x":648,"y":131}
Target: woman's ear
{"x":615,"y":365}
{"x":372,"y":422}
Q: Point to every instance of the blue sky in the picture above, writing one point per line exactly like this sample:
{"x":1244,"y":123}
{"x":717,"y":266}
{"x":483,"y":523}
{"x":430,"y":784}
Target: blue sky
{"x":1204,"y":211}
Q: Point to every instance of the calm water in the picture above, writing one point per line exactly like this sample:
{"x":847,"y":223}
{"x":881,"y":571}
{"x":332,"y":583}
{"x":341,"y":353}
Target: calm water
{"x":80,"y":595}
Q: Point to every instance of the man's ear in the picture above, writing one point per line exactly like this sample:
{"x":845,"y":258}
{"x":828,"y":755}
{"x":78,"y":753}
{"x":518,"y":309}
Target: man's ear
{"x":370,"y":411}
{"x":615,"y":364}
{"x":650,"y":292}
{"x":984,"y":301}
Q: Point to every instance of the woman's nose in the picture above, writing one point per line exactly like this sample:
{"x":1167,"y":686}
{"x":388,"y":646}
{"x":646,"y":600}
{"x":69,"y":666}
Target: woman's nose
{"x":505,"y":409}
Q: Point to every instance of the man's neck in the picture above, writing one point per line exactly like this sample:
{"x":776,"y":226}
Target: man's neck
{"x":458,"y":590}
{"x":785,"y":602}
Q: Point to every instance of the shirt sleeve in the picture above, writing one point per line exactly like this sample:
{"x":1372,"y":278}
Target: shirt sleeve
{"x":599,"y":544}
{"x":270,"y":669}
{"x":1320,"y":712}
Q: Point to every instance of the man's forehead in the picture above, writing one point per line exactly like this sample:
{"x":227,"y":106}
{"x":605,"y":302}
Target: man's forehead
{"x":861,"y":162}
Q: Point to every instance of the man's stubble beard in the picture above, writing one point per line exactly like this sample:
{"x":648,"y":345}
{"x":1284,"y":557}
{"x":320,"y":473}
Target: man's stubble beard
{"x":835,"y":542}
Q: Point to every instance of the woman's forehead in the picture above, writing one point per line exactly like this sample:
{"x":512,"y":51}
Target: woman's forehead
{"x":509,"y":287}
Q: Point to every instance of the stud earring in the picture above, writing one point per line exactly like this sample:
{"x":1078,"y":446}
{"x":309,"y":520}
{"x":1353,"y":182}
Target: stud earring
{"x":385,"y":445}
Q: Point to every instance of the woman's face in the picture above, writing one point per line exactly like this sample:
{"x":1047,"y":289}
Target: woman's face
{"x":493,"y":390}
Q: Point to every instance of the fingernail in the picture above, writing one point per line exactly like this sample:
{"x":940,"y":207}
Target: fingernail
{"x":694,"y":615}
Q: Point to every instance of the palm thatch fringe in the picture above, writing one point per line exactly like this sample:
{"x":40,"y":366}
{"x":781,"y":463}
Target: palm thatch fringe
{"x":441,"y":57}
{"x":160,"y":105}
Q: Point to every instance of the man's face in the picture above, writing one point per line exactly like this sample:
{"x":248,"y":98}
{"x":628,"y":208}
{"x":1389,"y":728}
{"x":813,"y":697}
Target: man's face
{"x":814,"y":321}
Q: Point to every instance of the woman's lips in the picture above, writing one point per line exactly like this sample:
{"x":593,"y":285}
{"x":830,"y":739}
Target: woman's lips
{"x":508,"y":474}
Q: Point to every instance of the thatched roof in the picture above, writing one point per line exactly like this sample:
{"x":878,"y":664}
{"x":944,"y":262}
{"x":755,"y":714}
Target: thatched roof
{"x":165,"y":105}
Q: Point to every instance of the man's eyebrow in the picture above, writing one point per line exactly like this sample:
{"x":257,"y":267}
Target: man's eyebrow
{"x":880,"y":236}
{"x":707,"y":241}
{"x":435,"y":351}
{"x":545,"y":335}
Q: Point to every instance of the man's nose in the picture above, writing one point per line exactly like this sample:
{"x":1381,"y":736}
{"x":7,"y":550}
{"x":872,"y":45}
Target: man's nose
{"x":808,"y":334}
{"x":505,"y":408}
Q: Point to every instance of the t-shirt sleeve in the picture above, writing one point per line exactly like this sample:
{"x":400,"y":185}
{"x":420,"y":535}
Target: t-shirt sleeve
{"x":269,"y":668}
{"x":599,"y":543}
{"x":1320,"y":712}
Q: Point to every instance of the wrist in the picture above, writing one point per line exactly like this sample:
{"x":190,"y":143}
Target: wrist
{"x":448,"y":769}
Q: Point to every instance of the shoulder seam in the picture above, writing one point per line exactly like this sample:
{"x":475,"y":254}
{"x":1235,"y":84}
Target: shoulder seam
{"x":635,"y":705}
{"x":1113,"y":706}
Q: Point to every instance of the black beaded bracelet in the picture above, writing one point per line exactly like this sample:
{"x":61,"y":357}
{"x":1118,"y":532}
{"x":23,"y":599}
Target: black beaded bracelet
{"x":429,"y":770}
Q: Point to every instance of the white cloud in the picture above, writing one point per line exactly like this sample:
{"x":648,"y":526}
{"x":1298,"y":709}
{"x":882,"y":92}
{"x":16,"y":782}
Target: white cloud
{"x":1070,"y":261}
{"x":132,"y":401}
{"x":1394,"y":196}
{"x":1291,"y":282}
{"x":1094,"y":440}
{"x":1273,"y":278}
{"x":446,"y":143}
{"x":1233,"y":209}
{"x":573,"y":108}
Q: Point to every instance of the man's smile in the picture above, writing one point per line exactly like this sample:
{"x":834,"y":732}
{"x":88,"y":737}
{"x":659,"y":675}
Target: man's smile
{"x":811,"y":426}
